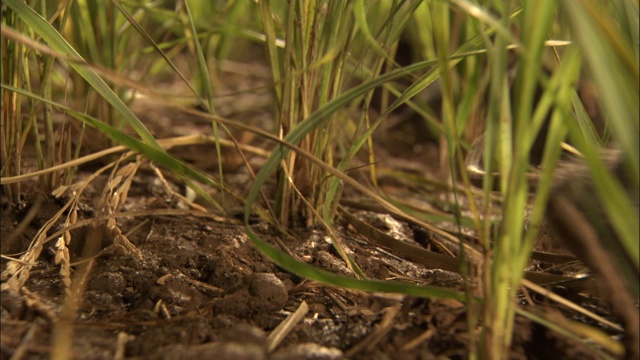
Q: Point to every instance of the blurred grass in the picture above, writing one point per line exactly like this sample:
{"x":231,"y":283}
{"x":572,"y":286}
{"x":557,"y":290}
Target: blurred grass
{"x":327,"y":59}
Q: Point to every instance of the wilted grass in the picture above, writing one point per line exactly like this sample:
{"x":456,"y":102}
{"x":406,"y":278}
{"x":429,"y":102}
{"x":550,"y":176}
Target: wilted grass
{"x":326,"y":60}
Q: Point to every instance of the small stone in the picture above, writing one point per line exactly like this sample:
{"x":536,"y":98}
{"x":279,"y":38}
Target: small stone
{"x":267,"y":291}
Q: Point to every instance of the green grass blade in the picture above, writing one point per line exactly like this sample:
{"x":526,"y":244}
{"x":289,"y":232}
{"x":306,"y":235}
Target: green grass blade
{"x":288,"y":263}
{"x":613,"y":62}
{"x":57,"y":42}
{"x":157,"y":48}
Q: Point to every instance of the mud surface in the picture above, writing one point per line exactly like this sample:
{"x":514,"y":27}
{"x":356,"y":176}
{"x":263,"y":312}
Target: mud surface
{"x":201,"y":289}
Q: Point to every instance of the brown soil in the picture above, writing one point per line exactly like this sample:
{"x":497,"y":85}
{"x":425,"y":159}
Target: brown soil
{"x":185,"y":284}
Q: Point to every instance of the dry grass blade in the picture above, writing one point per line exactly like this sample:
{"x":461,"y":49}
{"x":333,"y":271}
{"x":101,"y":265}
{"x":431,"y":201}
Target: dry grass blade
{"x":440,"y":261}
{"x":164,"y":143}
{"x":578,"y":331}
{"x":378,"y":333}
{"x":17,"y":273}
{"x":413,"y":253}
{"x":284,"y":328}
{"x":571,"y":305}
{"x":21,"y":351}
{"x":42,"y":307}
{"x":63,"y":328}
{"x":123,"y":339}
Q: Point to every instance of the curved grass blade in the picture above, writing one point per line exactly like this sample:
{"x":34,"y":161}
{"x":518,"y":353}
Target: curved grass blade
{"x":288,"y":263}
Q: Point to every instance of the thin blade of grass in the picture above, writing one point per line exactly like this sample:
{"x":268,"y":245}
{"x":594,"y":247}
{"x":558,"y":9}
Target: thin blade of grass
{"x":57,"y":42}
{"x":207,"y":89}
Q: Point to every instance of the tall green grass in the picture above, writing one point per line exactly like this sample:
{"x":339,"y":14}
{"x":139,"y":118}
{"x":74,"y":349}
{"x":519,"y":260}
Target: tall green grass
{"x":326,"y":61}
